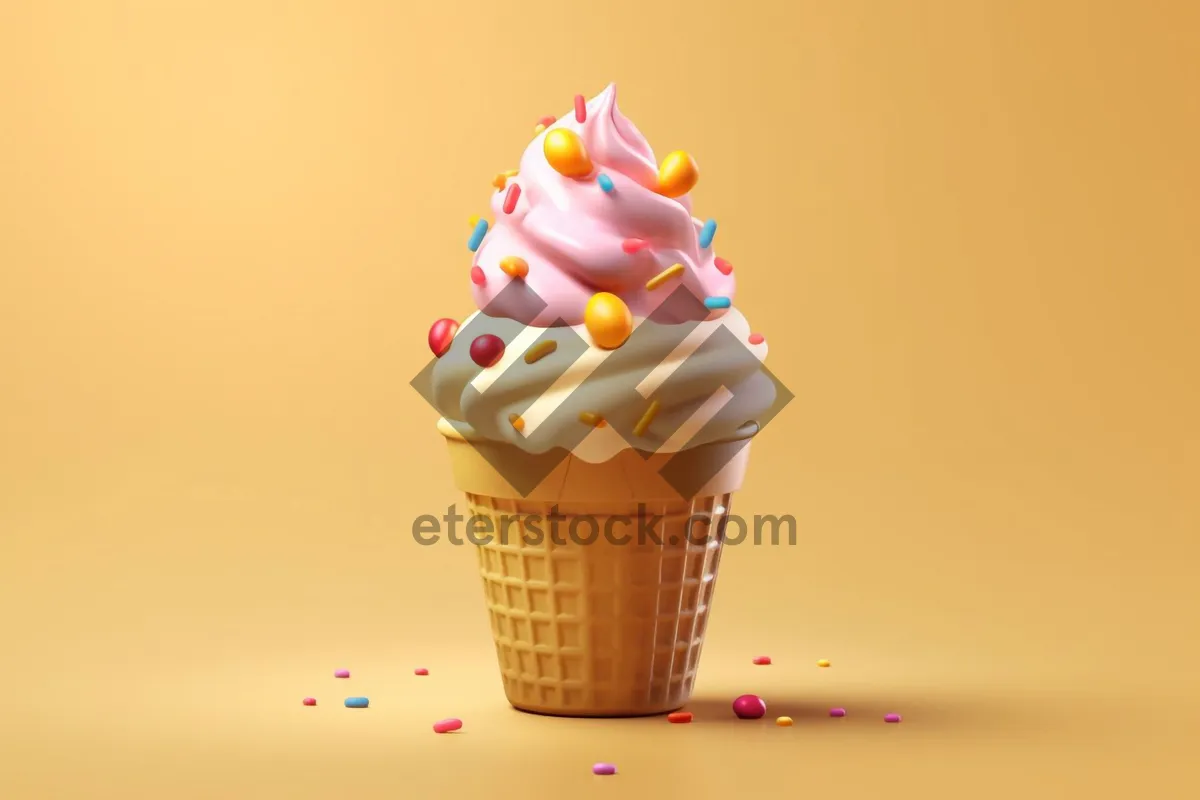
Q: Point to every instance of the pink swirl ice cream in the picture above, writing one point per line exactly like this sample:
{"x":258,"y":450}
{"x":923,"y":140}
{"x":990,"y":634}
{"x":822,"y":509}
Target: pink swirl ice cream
{"x":689,"y":373}
{"x":571,"y":232}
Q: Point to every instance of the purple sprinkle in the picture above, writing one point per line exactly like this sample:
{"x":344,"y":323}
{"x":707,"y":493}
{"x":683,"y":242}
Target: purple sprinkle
{"x":837,"y":712}
{"x":891,"y":718}
{"x":604,"y":769}
{"x":341,"y":673}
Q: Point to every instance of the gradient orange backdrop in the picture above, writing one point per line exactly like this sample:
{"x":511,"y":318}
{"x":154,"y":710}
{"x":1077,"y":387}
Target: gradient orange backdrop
{"x":968,"y":230}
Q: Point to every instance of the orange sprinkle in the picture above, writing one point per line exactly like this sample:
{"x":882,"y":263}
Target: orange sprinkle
{"x":540,"y":351}
{"x":664,"y":276}
{"x":517,"y":422}
{"x":514,"y":267}
{"x":499,"y":181}
{"x":647,"y":418}
{"x":595,"y":420}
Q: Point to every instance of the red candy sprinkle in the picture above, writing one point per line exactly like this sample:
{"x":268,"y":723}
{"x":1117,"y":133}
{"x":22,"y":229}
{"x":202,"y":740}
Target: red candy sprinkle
{"x":756,"y":338}
{"x":447,"y":725}
{"x":310,"y":701}
{"x":547,"y":121}
{"x":631,"y":246}
{"x":679,"y":717}
{"x":762,"y":661}
{"x":510,"y":199}
{"x":722,"y":265}
{"x":477,"y":276}
{"x":441,"y":334}
{"x":420,"y":671}
{"x":580,"y":108}
{"x":487,"y":350}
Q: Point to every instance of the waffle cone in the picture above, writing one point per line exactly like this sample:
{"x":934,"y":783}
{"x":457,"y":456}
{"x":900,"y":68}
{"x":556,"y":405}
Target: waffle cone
{"x":600,"y":609}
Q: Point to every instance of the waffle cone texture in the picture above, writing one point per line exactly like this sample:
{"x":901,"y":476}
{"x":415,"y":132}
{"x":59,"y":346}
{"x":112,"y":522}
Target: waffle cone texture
{"x":598,"y":582}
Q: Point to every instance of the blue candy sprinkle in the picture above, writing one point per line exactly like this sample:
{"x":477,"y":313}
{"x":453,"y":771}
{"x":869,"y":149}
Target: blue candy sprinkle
{"x":716,"y":302}
{"x":477,"y":235}
{"x":605,"y":183}
{"x":708,"y":232}
{"x":357,"y":702}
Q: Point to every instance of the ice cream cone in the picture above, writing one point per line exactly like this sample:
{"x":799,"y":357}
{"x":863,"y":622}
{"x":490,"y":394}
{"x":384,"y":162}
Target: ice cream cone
{"x":599,"y":581}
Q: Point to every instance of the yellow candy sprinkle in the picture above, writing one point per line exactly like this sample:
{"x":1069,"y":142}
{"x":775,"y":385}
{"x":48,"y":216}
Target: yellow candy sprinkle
{"x":517,"y":422}
{"x":608,"y":320}
{"x":540,"y":351}
{"x":566,"y":153}
{"x":511,"y":173}
{"x":823,"y":663}
{"x":647,"y":418}
{"x":514,"y":267}
{"x":537,"y":129}
{"x":784,"y":722}
{"x":677,"y":174}
{"x":588,"y":418}
{"x":664,"y":276}
{"x":474,"y":220}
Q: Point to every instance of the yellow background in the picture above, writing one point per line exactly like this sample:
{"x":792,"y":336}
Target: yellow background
{"x":967,"y":229}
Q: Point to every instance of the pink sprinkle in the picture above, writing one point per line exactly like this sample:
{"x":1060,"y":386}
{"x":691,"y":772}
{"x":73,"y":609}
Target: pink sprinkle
{"x":604,"y":769}
{"x":762,"y":661}
{"x":477,"y":276}
{"x":547,"y":121}
{"x":310,"y":701}
{"x":891,"y":717}
{"x":837,"y":712}
{"x":447,"y":725}
{"x":756,"y":338}
{"x":510,"y":199}
{"x":631,"y":246}
{"x":722,"y":265}
{"x":420,"y":671}
{"x":341,"y":673}
{"x":580,"y":108}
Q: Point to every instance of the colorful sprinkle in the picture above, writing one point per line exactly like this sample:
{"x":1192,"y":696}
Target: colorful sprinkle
{"x":891,"y":717}
{"x":606,"y":184}
{"x":481,"y":229}
{"x":717,"y":302}
{"x":511,"y":198}
{"x":604,"y":769}
{"x":357,"y":702}
{"x":837,"y":712}
{"x":310,"y":701}
{"x":824,"y":662}
{"x":580,"y":108}
{"x":499,"y":181}
{"x":723,"y":266}
{"x":708,"y":232}
{"x":514,"y":267}
{"x":341,"y":673}
{"x":749,"y":706}
{"x":608,"y":320}
{"x":516,"y":421}
{"x":589,"y":418}
{"x":474,"y":220}
{"x":664,"y":276}
{"x":679,"y":717}
{"x":441,"y":335}
{"x":783,"y":722}
{"x":547,"y":121}
{"x":647,"y":418}
{"x":477,"y":276}
{"x":537,"y":129}
{"x":677,"y":174}
{"x":762,"y":661}
{"x":567,"y":155}
{"x":420,"y":671}
{"x":540,"y":351}
{"x":447,"y":725}
{"x":631,"y":246}
{"x":487,"y":350}
{"x":756,"y":338}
